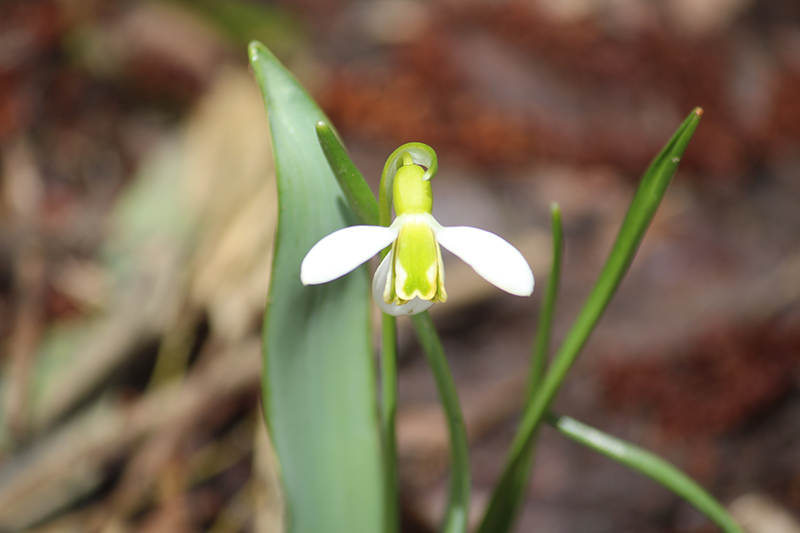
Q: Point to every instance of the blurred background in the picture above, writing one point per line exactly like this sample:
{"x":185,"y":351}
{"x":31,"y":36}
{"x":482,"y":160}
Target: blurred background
{"x":137,"y":210}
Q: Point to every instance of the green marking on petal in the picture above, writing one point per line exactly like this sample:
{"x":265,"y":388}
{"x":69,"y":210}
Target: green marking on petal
{"x":416,"y":262}
{"x":441,"y":295}
{"x":389,"y":295}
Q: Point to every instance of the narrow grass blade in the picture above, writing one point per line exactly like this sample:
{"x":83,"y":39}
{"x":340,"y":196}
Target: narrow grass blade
{"x":502,"y":515}
{"x":545,"y":327}
{"x":355,"y":188}
{"x":648,"y":464}
{"x":318,"y":379}
{"x":511,"y":488}
{"x":458,"y":503}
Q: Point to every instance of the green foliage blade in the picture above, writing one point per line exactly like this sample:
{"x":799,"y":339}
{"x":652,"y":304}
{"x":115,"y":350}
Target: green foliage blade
{"x":648,"y":464}
{"x":545,"y":328}
{"x":318,"y":378}
{"x":355,"y":188}
{"x":503,"y":515}
{"x":511,"y":488}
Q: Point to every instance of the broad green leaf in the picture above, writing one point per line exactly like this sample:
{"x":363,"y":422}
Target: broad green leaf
{"x":318,"y":382}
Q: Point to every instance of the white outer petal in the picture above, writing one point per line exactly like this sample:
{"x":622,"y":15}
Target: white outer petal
{"x":494,"y":259}
{"x":342,"y":251}
{"x":379,"y":285}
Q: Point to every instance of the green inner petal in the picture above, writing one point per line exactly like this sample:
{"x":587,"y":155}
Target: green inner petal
{"x":416,"y":264}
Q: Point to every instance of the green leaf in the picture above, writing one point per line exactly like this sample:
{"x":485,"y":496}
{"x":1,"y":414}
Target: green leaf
{"x":506,"y":513}
{"x":545,"y":328}
{"x":358,"y":194}
{"x":648,"y":464}
{"x":318,"y":383}
{"x":510,"y":490}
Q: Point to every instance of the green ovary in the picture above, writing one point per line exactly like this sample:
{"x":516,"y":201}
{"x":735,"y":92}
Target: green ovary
{"x":412,"y":194}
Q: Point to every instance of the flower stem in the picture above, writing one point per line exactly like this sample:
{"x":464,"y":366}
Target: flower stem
{"x":458,"y":504}
{"x":388,"y":420}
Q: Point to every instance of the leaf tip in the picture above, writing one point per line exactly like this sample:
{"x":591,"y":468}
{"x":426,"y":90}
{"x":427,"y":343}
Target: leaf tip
{"x":253,"y":50}
{"x":698,"y":111}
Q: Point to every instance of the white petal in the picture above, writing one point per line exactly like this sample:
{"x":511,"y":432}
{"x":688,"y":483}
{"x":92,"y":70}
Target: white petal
{"x":413,"y":307}
{"x":342,"y":251}
{"x":379,"y":286}
{"x":381,"y":277}
{"x":494,"y":259}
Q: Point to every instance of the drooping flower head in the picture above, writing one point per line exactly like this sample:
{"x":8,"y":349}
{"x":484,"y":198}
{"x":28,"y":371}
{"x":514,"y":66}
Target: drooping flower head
{"x":410,"y":278}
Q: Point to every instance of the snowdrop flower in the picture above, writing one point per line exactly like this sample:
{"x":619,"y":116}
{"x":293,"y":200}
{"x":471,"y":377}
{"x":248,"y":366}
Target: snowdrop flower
{"x":410,"y":279}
